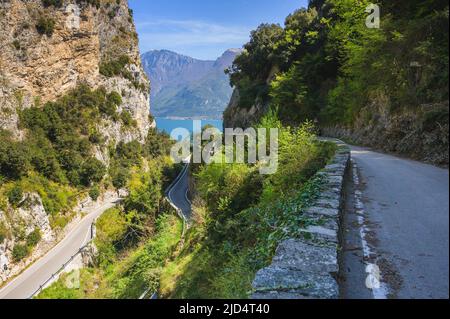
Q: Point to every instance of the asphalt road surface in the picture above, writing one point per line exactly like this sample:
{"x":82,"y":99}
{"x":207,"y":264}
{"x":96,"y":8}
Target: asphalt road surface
{"x":397,"y":219}
{"x":178,"y":193}
{"x":24,"y":285}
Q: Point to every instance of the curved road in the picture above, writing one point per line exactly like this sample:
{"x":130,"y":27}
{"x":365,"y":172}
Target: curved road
{"x":178,"y":193}
{"x":25,"y":284}
{"x":403,"y":206}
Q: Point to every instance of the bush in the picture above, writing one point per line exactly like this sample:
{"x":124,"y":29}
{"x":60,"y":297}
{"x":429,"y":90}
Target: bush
{"x":34,"y":238}
{"x":19,"y":252}
{"x":45,"y":26}
{"x":113,"y":100}
{"x":94,"y":193}
{"x":15,"y":195}
{"x":92,"y":171}
{"x":127,"y":119}
{"x":120,"y":178}
{"x":14,"y":158}
{"x":114,"y":67}
{"x":55,"y":3}
{"x":3,"y":232}
{"x":16,"y":44}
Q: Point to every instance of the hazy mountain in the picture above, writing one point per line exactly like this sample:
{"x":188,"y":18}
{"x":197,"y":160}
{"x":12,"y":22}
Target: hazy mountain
{"x":186,"y":87}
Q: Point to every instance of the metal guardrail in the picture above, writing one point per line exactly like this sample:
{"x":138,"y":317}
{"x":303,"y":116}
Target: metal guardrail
{"x":60,"y":270}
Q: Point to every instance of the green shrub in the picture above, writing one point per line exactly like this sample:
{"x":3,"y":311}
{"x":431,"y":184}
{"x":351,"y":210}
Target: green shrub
{"x":15,"y":195}
{"x":4,"y":233}
{"x":55,"y":3}
{"x":33,"y":238}
{"x":14,"y":157}
{"x":120,"y":178}
{"x":45,"y":26}
{"x":94,"y":193}
{"x":92,"y":171}
{"x":114,"y":67}
{"x":96,"y":137}
{"x":115,"y":98}
{"x":16,"y":44}
{"x":127,"y":119}
{"x":19,"y":252}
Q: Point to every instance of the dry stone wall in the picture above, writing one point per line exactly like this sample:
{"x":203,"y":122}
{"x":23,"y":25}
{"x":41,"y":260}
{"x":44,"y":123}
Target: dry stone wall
{"x":308,"y":266}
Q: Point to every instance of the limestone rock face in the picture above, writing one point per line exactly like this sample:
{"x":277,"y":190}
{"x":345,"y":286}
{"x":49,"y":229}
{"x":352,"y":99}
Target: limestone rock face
{"x":31,"y":215}
{"x":46,"y":51}
{"x":237,"y":116}
{"x":36,"y":67}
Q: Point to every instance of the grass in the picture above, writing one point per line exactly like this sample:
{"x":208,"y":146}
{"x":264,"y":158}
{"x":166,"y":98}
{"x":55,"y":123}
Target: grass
{"x":129,"y":274}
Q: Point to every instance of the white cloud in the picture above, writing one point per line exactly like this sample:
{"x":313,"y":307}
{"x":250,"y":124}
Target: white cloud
{"x":187,"y":34}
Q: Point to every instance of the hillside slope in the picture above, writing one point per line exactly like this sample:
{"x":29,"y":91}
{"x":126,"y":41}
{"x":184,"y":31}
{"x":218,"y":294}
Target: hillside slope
{"x":73,"y":98}
{"x":187,"y":87}
{"x":383,"y":87}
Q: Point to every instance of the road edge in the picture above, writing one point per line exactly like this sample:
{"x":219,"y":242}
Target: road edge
{"x":309,"y":267}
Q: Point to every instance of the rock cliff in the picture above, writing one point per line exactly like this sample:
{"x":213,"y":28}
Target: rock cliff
{"x":48,"y":49}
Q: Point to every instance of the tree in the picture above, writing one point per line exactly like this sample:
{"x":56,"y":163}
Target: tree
{"x":92,"y":171}
{"x":15,"y":195}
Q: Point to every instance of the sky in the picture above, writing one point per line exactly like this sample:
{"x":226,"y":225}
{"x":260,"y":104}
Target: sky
{"x":204,"y":29}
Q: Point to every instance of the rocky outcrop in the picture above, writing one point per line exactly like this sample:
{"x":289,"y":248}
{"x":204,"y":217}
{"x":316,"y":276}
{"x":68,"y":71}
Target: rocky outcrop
{"x":308,"y":266}
{"x":235,"y":115}
{"x":420,"y":134}
{"x":31,"y":215}
{"x":38,"y":65}
{"x":21,"y":222}
{"x":46,"y":51}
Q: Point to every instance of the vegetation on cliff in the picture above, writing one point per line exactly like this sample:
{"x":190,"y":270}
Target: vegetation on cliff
{"x":134,"y":239}
{"x":56,"y":158}
{"x":334,"y":69}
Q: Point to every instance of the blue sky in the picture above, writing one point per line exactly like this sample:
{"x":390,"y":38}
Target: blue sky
{"x":204,"y":29}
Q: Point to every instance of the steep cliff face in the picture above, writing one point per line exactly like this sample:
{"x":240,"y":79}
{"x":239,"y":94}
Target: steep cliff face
{"x":235,"y":115}
{"x":48,"y":50}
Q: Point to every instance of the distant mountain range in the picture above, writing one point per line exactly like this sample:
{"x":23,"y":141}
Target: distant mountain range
{"x":182,"y":86}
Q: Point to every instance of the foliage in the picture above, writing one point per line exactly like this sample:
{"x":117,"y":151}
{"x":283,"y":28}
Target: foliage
{"x":63,"y":135}
{"x":124,"y":276}
{"x":331,"y":65}
{"x":55,"y":3}
{"x":45,"y":25}
{"x":115,"y":67}
{"x":127,"y":119}
{"x":239,"y":216}
{"x":33,"y":238}
{"x":19,"y":252}
{"x":92,"y":171}
{"x":15,"y":195}
{"x":94,"y":193}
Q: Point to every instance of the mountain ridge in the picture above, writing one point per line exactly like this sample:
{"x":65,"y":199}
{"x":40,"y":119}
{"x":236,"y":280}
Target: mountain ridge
{"x":187,"y":87}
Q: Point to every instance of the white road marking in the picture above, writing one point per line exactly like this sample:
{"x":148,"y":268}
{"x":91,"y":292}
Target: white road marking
{"x":56,"y":249}
{"x":186,"y":196}
{"x":380,"y":292}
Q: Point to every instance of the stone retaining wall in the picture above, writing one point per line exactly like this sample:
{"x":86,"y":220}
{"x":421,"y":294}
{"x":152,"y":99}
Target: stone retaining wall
{"x":308,"y":266}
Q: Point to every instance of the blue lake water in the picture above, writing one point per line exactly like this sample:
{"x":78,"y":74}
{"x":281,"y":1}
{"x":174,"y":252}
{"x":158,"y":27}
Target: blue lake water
{"x":167,"y":125}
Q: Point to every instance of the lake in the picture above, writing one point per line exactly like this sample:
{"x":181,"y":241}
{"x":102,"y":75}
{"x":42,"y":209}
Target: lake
{"x":167,"y":125}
